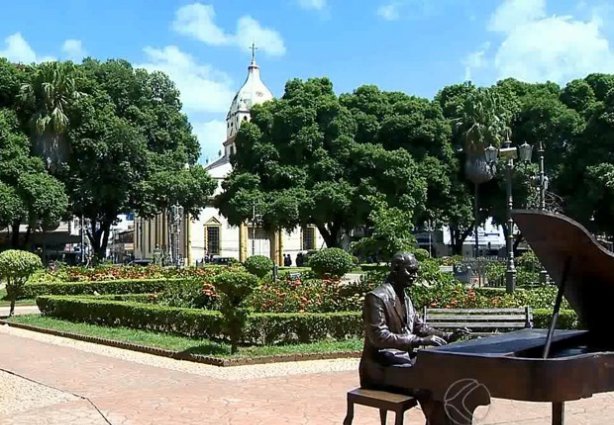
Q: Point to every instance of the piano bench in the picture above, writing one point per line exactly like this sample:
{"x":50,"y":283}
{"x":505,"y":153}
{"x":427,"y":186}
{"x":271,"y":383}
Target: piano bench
{"x":382,"y":400}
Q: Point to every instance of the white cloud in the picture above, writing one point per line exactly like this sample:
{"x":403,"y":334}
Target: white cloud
{"x":197,"y":20}
{"x":73,"y":49}
{"x":202,"y":87}
{"x":312,"y":4}
{"x":390,"y":11}
{"x":250,"y":31}
{"x":539,"y":47}
{"x":17,"y":49}
{"x":211,"y":135}
{"x":512,"y":14}
{"x":475,"y":60}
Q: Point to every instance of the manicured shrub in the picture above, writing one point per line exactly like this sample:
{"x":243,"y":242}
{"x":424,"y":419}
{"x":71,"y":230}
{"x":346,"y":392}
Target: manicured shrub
{"x":261,"y":328}
{"x":139,"y":286}
{"x":15,"y":268}
{"x":235,"y":288}
{"x":421,"y":254}
{"x":333,"y":262}
{"x":259,"y":265}
{"x":568,"y":319}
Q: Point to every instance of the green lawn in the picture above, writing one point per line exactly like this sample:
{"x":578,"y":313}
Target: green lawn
{"x":6,"y":303}
{"x":177,"y":343}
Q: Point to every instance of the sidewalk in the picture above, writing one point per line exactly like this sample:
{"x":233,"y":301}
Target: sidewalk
{"x":135,"y":388}
{"x":29,"y":309}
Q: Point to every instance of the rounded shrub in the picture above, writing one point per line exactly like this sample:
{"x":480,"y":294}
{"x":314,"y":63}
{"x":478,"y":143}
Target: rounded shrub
{"x":15,"y":268}
{"x":331,"y":261}
{"x":259,"y":265}
{"x":421,"y":254}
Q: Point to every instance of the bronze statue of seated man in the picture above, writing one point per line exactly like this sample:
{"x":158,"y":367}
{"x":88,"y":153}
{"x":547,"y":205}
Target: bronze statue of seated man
{"x":393,"y":330}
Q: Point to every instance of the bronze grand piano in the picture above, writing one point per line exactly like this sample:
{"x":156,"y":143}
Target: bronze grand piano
{"x":577,"y":364}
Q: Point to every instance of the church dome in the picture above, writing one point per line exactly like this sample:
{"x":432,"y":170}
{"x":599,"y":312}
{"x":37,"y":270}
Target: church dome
{"x":253,"y":91}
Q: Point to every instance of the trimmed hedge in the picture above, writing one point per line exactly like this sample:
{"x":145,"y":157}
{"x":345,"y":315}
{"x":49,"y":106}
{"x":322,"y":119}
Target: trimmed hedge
{"x":568,"y":319}
{"x":262,"y":328}
{"x":136,"y":286}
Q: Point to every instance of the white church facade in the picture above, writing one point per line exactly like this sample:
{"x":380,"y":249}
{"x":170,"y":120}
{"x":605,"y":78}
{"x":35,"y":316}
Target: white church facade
{"x":210,"y":234}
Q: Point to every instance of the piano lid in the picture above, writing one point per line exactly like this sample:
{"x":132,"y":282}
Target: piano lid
{"x":590,"y":281}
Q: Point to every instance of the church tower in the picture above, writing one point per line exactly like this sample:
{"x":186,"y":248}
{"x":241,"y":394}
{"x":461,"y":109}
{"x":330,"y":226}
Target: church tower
{"x":253,"y":92}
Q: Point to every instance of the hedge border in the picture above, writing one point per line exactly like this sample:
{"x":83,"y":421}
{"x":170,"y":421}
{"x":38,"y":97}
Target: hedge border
{"x":111,"y":287}
{"x":179,"y":355}
{"x":262,"y":328}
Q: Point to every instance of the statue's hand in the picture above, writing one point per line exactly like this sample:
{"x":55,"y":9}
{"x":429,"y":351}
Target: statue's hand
{"x":433,"y":340}
{"x":458,"y":334}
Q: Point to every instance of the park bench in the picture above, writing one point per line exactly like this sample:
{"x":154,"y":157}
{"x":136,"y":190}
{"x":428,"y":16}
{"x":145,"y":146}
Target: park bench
{"x":481,"y":321}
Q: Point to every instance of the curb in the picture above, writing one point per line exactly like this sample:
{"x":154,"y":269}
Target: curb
{"x":179,"y":355}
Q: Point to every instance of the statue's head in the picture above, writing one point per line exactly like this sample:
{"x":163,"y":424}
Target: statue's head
{"x":404,"y":269}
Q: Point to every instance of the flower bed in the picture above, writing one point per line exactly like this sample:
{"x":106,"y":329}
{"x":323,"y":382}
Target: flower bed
{"x":116,"y":272}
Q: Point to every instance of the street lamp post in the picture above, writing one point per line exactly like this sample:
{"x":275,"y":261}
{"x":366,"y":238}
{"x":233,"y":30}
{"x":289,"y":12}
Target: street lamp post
{"x":509,"y":153}
{"x":543,"y":180}
{"x":256,"y":218}
{"x":176,"y":219}
{"x":429,"y":228}
{"x":510,"y":271}
{"x":82,"y":242}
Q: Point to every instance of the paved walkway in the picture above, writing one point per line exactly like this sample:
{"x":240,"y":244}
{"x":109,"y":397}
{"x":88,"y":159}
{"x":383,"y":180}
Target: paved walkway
{"x":73,"y":379}
{"x":20,"y":309}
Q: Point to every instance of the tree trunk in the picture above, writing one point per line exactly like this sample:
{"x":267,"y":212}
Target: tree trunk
{"x":27,"y":237}
{"x":98,"y":234}
{"x":330,"y":234}
{"x":15,"y":234}
{"x":458,"y":238}
{"x":12,"y":309}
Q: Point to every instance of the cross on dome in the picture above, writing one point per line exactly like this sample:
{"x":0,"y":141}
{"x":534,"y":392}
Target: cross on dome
{"x":253,"y":48}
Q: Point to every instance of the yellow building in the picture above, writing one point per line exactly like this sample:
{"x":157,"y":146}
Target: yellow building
{"x":211,"y":234}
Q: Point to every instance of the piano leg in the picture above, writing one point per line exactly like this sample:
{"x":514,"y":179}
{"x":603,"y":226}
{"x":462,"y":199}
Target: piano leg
{"x":558,"y":413}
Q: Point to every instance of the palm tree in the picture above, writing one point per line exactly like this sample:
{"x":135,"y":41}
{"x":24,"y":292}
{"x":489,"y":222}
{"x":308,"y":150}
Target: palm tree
{"x":47,"y":96}
{"x":484,"y":121}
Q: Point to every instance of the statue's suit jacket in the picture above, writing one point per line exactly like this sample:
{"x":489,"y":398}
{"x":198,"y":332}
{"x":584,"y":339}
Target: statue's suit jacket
{"x":392,"y":332}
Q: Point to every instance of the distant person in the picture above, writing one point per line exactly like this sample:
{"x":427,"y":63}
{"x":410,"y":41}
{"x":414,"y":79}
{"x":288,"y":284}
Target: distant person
{"x":287,"y":260}
{"x":299,"y":259}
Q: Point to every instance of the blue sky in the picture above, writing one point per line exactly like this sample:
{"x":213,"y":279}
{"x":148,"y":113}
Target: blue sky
{"x":415,"y":46}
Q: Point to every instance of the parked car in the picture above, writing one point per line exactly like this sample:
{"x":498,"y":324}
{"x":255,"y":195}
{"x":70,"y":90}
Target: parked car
{"x":141,"y":262}
{"x":223,"y":260}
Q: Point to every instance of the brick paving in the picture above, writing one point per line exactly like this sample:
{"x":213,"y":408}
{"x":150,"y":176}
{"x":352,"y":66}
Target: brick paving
{"x":130,"y":392}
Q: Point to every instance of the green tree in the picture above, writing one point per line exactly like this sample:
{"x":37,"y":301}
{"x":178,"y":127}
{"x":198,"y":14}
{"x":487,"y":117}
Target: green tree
{"x":15,"y":269}
{"x":299,"y":161}
{"x":47,"y":95}
{"x":132,"y":149}
{"x":391,"y":233}
{"x":32,"y":196}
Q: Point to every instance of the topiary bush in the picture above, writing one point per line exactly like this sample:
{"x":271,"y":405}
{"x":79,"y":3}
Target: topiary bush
{"x":333,"y":262}
{"x":421,"y":254}
{"x":235,"y":288}
{"x":258,"y":265}
{"x":15,"y":268}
